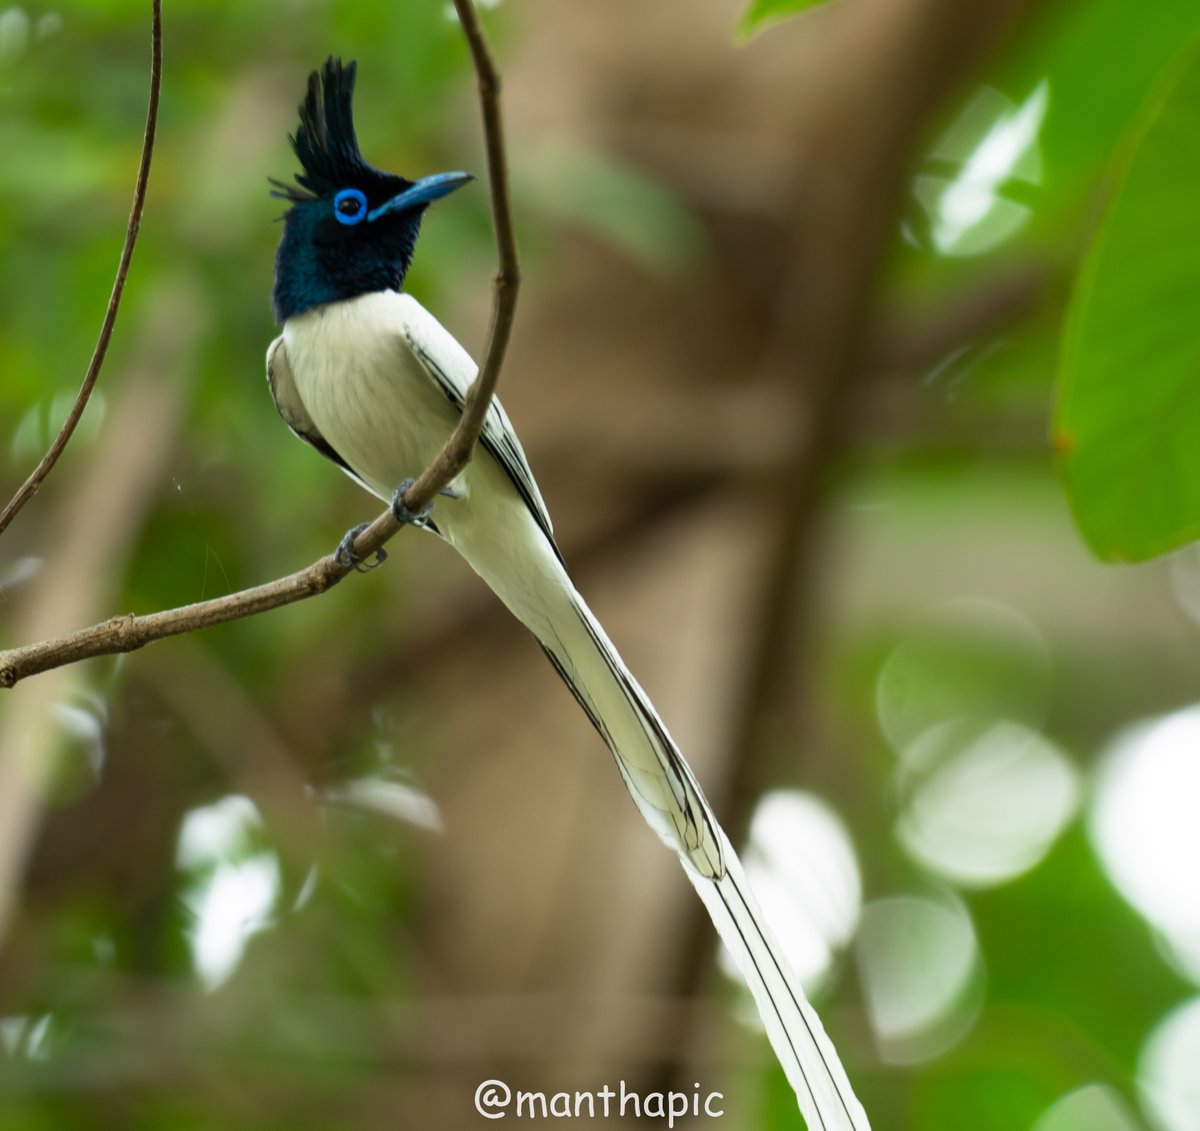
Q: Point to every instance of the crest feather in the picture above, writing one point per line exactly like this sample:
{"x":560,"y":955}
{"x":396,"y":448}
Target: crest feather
{"x":325,"y":142}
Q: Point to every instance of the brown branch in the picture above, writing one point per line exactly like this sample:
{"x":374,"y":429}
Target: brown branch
{"x":456,"y":453}
{"x":31,"y":485}
{"x":128,"y":633}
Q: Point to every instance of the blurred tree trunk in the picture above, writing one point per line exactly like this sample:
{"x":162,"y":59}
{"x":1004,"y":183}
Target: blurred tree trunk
{"x":546,"y":882}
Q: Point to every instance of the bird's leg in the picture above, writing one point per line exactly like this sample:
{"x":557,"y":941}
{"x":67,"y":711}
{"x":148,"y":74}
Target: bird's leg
{"x":401,"y":511}
{"x":344,"y":555}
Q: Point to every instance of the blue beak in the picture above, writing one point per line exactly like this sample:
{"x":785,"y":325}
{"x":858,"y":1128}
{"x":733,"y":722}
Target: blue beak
{"x":423,"y":192}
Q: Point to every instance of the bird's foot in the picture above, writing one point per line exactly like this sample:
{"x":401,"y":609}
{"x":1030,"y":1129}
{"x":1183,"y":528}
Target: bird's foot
{"x":345,"y":556}
{"x":401,"y":511}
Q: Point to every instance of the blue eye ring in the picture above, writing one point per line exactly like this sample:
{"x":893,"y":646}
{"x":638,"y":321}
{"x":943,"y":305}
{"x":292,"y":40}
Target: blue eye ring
{"x":350,"y":207}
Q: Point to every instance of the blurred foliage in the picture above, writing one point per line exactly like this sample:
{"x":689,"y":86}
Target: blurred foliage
{"x":1129,"y":405}
{"x":760,"y":14}
{"x":105,"y":1020}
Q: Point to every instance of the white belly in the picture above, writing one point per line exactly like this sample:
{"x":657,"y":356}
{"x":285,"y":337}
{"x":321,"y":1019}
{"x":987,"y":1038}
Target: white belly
{"x":366,"y":392}
{"x":371,"y":398}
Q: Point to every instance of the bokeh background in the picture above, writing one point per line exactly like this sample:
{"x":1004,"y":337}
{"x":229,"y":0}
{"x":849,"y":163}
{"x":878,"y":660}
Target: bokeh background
{"x":784,"y":365}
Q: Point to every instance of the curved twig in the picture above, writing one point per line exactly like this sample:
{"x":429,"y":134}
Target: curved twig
{"x":31,"y":485}
{"x":128,"y":633}
{"x":456,"y":452}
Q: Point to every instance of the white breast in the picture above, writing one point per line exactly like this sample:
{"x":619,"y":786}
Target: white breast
{"x":366,"y":391}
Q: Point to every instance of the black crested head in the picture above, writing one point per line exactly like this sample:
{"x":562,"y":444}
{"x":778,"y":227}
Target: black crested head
{"x":325,"y":142}
{"x":351,"y":228}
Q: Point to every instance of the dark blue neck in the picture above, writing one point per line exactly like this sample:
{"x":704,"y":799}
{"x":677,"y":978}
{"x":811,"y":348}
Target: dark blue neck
{"x":311,"y":269}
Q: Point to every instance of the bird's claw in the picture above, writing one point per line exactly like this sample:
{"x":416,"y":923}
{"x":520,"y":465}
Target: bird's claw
{"x":345,"y":556}
{"x":401,"y":510}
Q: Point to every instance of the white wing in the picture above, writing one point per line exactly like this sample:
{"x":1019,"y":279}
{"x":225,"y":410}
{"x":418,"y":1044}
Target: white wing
{"x":451,"y":368}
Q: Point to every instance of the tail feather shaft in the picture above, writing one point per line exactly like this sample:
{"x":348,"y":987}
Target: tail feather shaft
{"x":808,"y":1057}
{"x":806,"y":1054}
{"x":536,"y":588}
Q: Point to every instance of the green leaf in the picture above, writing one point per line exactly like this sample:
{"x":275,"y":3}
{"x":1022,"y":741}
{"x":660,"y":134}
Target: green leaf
{"x":1127,"y":426}
{"x":760,"y":13}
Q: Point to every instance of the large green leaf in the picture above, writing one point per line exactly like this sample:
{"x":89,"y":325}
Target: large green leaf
{"x":1127,"y":428}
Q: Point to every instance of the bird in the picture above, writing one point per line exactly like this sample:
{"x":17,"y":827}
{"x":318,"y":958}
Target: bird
{"x":372,"y":381}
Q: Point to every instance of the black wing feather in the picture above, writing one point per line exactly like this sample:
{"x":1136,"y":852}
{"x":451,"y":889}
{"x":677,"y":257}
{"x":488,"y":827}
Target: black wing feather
{"x":498,"y":441}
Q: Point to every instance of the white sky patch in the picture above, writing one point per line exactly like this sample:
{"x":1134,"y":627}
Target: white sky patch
{"x":1183,"y":568}
{"x":1168,"y":1079}
{"x":968,"y":213}
{"x":19,"y":570}
{"x":42,"y":421}
{"x":451,"y":13}
{"x":921,"y":973}
{"x":37,"y":1040}
{"x":1094,"y":1107}
{"x":232,"y":886}
{"x":27,"y":1036}
{"x":84,"y":722}
{"x":984,"y":801}
{"x":12,"y":1032}
{"x":1146,"y":830}
{"x":307,"y":889}
{"x":14,"y":33}
{"x":801,"y":864}
{"x":396,"y":800}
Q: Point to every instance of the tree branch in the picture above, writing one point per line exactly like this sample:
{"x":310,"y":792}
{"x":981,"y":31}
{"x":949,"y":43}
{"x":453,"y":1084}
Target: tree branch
{"x":31,"y":485}
{"x":128,"y":633}
{"x":456,"y":452}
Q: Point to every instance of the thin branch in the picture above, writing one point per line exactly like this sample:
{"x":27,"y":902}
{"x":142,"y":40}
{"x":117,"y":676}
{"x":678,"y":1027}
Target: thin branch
{"x":456,"y":453}
{"x":31,"y":485}
{"x":128,"y":633}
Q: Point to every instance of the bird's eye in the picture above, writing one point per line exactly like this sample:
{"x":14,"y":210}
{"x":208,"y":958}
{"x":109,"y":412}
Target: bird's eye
{"x":350,"y":206}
